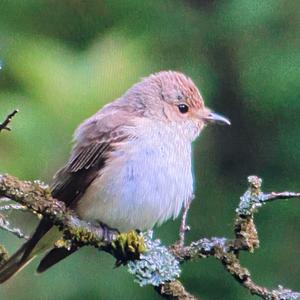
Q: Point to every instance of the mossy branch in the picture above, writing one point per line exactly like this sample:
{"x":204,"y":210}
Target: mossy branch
{"x":246,"y":239}
{"x":36,"y":197}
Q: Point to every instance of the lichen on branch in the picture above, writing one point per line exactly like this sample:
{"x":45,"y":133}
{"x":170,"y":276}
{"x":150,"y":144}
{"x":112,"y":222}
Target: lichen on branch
{"x":150,"y":262}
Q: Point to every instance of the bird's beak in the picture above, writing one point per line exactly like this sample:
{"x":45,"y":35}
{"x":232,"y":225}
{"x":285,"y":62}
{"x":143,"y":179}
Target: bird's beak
{"x":216,"y":118}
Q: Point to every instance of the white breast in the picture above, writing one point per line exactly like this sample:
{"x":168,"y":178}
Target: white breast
{"x":146,"y":181}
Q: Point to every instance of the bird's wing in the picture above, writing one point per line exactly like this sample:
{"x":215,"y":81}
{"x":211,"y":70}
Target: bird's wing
{"x":88,"y":157}
{"x":72,"y":180}
{"x":96,"y":139}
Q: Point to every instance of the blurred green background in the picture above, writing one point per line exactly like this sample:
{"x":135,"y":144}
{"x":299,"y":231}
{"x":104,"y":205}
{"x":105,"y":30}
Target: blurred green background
{"x":64,"y":59}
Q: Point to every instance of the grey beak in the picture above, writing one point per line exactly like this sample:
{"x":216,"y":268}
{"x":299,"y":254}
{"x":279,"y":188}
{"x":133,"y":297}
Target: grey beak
{"x":218,"y":119}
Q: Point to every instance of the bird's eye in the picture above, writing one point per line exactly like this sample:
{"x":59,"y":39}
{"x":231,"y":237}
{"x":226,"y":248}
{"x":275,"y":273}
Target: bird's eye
{"x":183,"y":108}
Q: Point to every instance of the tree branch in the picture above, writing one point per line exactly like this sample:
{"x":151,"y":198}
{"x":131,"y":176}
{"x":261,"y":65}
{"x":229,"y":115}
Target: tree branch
{"x":36,"y":197}
{"x":183,"y":225}
{"x":174,"y":290}
{"x":4,"y":124}
{"x":246,"y":238}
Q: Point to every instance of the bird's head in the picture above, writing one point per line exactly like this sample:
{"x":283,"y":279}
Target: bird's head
{"x":173,"y":97}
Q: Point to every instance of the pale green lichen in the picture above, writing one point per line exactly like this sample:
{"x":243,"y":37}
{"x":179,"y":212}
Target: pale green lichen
{"x":155,"y":266}
{"x":128,"y":246}
{"x":285,"y":294}
{"x":252,"y":198}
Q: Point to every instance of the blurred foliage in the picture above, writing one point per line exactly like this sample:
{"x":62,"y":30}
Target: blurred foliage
{"x":64,"y":59}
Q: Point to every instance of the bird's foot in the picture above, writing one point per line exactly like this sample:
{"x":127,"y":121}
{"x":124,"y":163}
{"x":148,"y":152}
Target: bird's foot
{"x":108,"y":233}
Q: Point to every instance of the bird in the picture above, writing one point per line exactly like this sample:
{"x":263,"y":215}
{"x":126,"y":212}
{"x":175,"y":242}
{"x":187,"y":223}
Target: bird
{"x":130,"y":167}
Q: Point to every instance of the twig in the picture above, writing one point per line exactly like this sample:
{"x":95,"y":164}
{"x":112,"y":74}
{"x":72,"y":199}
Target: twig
{"x":183,"y":226}
{"x":279,"y":196}
{"x":5,"y":224}
{"x":246,"y":238}
{"x":4,"y":124}
{"x":12,"y":206}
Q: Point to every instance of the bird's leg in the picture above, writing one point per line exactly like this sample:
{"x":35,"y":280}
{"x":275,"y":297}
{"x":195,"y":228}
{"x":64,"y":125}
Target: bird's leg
{"x":108,"y":233}
{"x":183,"y":226}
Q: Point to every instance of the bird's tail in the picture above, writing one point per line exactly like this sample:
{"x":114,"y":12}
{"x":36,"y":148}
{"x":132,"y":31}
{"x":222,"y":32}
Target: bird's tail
{"x":15,"y":263}
{"x":43,"y":238}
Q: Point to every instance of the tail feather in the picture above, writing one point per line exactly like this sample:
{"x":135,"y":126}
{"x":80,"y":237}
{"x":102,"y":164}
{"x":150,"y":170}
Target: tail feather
{"x":15,"y":264}
{"x":53,"y":257}
{"x":41,"y":241}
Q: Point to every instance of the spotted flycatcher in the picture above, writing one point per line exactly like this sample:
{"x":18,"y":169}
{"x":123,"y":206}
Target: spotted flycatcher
{"x":130,"y":167}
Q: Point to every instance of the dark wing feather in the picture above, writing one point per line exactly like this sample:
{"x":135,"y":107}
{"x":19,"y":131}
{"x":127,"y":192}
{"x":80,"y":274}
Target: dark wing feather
{"x":96,"y":140}
{"x":54,"y":256}
{"x":84,"y":165}
{"x":69,"y":184}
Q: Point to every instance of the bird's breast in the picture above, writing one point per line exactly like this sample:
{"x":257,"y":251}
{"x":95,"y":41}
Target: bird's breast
{"x":145,"y":181}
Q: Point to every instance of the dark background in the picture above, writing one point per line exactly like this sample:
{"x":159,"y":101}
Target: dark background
{"x":64,"y":59}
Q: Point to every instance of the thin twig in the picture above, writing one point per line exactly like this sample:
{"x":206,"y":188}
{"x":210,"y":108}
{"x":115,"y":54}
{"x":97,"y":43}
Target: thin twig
{"x":183,"y":226}
{"x":4,"y":124}
{"x":12,"y":206}
{"x":279,"y":196}
{"x":5,"y":224}
{"x":246,"y":238}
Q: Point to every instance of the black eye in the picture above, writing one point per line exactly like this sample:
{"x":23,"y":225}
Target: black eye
{"x":183,"y":108}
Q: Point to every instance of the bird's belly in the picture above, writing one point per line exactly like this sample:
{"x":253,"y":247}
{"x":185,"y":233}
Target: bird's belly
{"x":149,"y":187}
